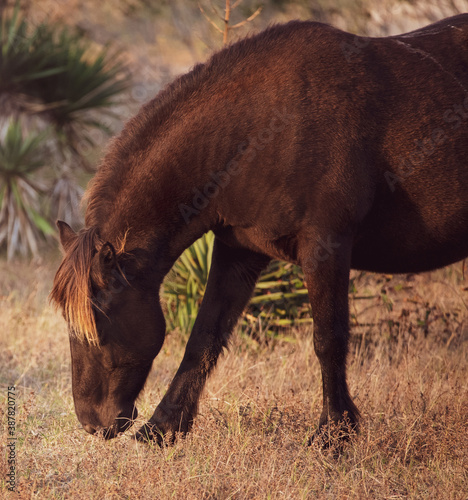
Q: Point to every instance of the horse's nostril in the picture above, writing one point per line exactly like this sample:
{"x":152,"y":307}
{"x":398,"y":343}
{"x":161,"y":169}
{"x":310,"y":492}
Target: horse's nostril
{"x":89,"y":428}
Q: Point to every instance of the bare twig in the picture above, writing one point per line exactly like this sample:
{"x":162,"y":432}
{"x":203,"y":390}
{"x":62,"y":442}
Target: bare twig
{"x":213,"y":8}
{"x":251,"y":18}
{"x":227,"y":14}
{"x":226,"y":21}
{"x":208,"y":19}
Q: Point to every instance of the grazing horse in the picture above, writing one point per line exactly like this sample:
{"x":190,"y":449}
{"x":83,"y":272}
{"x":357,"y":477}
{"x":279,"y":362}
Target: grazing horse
{"x":302,"y":143}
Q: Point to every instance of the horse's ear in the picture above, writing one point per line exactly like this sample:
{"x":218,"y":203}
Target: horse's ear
{"x":107,"y":258}
{"x":66,"y":233}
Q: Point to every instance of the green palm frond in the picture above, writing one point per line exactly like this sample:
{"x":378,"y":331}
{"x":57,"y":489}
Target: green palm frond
{"x":88,"y":82}
{"x":185,"y":285}
{"x":53,"y":71}
{"x":280,"y":298}
{"x":18,"y":153}
{"x":25,"y":55}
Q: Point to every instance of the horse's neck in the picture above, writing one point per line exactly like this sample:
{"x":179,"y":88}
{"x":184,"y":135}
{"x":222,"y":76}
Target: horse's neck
{"x":149,"y":206}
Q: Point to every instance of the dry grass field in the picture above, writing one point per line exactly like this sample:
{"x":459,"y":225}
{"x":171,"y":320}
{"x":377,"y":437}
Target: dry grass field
{"x":407,"y":372}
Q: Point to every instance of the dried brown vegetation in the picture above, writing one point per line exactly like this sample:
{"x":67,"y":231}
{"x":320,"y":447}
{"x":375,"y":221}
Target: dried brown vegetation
{"x":407,"y":371}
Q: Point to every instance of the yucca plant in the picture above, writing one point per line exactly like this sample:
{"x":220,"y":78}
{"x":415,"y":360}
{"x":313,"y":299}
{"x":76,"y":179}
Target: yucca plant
{"x":51,"y":71}
{"x":65,"y":199}
{"x":21,"y":222}
{"x":185,"y":285}
{"x":25,"y":55}
{"x":76,"y":99}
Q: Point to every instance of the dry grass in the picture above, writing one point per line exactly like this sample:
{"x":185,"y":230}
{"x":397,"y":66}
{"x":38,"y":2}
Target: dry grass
{"x":407,"y":371}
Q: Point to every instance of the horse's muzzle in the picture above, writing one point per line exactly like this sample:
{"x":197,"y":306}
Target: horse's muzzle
{"x":122,"y":423}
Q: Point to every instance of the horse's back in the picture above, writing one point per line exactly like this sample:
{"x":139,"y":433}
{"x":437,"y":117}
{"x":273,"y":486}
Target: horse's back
{"x":378,"y":143}
{"x":419,"y":219}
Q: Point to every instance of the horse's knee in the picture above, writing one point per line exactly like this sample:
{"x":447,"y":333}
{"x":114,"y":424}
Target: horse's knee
{"x":331,"y":345}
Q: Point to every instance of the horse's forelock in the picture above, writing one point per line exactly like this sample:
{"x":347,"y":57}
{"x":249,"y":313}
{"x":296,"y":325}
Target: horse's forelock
{"x":72,"y":290}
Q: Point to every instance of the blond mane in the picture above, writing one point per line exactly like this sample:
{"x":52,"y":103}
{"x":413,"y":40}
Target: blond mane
{"x":72,"y":291}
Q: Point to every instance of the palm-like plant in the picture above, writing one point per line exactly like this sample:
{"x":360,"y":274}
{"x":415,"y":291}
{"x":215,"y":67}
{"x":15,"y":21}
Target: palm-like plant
{"x":185,"y":285}
{"x":25,"y":54}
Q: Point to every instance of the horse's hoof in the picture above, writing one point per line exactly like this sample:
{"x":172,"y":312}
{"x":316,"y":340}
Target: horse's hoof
{"x":149,"y":433}
{"x":333,"y":435}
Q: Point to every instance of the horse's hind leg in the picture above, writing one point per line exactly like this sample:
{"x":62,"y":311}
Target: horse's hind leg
{"x":326,"y":265}
{"x":232,"y":278}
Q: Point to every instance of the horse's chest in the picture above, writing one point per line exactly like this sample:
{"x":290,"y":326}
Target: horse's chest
{"x":275,"y":245}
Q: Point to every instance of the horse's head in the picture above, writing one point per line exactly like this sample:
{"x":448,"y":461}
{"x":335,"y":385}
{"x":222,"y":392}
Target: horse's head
{"x":116,"y":327}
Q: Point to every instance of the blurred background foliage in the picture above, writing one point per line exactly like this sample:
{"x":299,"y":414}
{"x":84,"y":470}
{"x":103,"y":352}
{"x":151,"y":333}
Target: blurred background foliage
{"x":65,"y":86}
{"x":55,"y":89}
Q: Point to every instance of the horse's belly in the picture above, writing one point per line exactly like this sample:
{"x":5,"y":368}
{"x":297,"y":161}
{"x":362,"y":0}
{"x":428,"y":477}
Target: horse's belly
{"x":411,"y":240}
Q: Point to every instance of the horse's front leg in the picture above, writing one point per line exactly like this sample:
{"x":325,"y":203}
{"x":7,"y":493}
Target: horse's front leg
{"x":326,"y":265}
{"x":232,"y":278}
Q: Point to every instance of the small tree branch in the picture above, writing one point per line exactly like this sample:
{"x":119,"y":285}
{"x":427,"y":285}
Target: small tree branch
{"x":208,"y":19}
{"x":227,"y":14}
{"x":251,"y":18}
{"x":213,"y":8}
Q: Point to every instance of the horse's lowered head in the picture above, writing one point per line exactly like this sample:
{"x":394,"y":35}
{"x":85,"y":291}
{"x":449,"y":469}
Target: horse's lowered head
{"x":116,"y":327}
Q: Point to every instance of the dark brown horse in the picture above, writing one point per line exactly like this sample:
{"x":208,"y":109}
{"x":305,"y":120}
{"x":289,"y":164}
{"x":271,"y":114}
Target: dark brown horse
{"x":302,"y":143}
